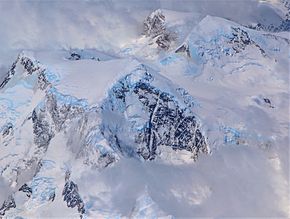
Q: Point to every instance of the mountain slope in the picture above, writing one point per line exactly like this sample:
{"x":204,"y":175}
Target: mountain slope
{"x":151,"y":131}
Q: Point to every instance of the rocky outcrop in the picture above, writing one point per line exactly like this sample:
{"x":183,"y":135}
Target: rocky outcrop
{"x":229,"y":44}
{"x":63,"y":108}
{"x":9,"y":74}
{"x":26,"y":189}
{"x":283,"y":26}
{"x":240,"y":40}
{"x":29,"y":65}
{"x":154,"y":24}
{"x":155,"y":28}
{"x":7,"y":130}
{"x":8,"y":204}
{"x":42,"y":130}
{"x":6,"y":133}
{"x":152,"y":116}
{"x":137,"y":119}
{"x":71,"y":195}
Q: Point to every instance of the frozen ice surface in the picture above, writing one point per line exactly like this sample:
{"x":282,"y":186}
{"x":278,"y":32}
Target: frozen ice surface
{"x":99,"y":119}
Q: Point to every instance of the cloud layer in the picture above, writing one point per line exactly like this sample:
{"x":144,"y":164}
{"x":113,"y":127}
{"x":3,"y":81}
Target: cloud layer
{"x":105,"y":25}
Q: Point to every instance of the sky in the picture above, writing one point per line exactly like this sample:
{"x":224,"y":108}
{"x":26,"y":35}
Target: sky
{"x":105,"y":25}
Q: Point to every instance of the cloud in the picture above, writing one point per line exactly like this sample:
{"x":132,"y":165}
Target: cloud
{"x":105,"y":25}
{"x":53,"y":24}
{"x":46,"y":25}
{"x":234,"y":181}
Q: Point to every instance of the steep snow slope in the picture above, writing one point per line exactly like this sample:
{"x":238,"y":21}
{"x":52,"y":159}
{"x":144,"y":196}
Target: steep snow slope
{"x":152,"y":134}
{"x":63,"y":112}
{"x":238,"y":68}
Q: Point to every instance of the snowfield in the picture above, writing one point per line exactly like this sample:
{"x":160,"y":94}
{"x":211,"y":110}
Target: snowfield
{"x":172,"y":111}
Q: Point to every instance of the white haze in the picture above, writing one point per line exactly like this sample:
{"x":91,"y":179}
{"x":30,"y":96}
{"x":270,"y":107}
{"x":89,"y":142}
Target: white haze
{"x":104,"y":25}
{"x":234,"y":180}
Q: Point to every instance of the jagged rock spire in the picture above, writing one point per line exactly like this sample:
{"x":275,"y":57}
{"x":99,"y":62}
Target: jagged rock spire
{"x":155,"y":28}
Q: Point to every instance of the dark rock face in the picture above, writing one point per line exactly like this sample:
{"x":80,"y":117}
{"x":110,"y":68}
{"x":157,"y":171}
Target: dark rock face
{"x":154,"y":24}
{"x":154,"y":27}
{"x":51,"y":116}
{"x":283,"y":26}
{"x":26,"y":189}
{"x":236,"y":42}
{"x":74,"y":56}
{"x":42,"y":82}
{"x":183,"y":49}
{"x":8,"y":204}
{"x":71,"y":196}
{"x":52,"y":197}
{"x":62,"y":111}
{"x":241,"y":39}
{"x":9,"y":74}
{"x":42,"y":130}
{"x":165,"y":122}
{"x":164,"y":40}
{"x":267,"y":102}
{"x":168,"y":124}
{"x":30,"y":67}
{"x":7,"y":130}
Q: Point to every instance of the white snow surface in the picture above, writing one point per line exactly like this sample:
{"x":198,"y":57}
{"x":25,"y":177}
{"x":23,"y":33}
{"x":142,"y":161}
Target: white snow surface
{"x":84,"y":79}
{"x":246,"y":174}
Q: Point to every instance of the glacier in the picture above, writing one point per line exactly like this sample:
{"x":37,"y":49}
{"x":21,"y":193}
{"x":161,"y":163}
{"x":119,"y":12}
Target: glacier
{"x":188,"y":118}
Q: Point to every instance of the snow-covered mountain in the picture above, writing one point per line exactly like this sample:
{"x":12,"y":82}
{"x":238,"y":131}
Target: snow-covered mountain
{"x":189,"y":119}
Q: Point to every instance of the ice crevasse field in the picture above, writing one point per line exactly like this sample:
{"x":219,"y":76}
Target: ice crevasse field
{"x":144,"y":109}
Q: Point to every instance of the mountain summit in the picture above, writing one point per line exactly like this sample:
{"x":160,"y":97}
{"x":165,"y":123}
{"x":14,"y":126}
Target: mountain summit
{"x":195,"y":107}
